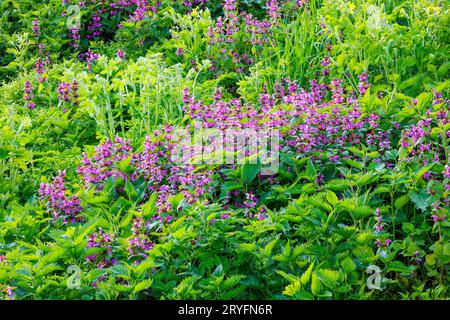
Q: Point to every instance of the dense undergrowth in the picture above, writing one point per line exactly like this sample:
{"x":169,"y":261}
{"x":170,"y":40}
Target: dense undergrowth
{"x":89,"y":109}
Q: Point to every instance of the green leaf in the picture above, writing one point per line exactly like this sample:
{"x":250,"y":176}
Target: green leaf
{"x":143,"y":285}
{"x":310,"y":169}
{"x":348,"y":265}
{"x":316,"y":286}
{"x":125,"y":166}
{"x":328,"y":277}
{"x":229,"y":186}
{"x":292,"y":289}
{"x":269,"y":247}
{"x":353,"y":163}
{"x":307,"y":274}
{"x":130,"y":190}
{"x":431,"y":259}
{"x":4,"y":153}
{"x":356,"y":151}
{"x":233,"y":293}
{"x":398,"y":266}
{"x":401,"y":201}
{"x":249,"y":171}
{"x":332,"y":198}
{"x":420,"y":200}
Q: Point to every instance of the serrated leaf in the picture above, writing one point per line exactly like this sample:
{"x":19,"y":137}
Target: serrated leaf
{"x":401,"y":201}
{"x":249,"y":171}
{"x":304,"y":279}
{"x":143,"y":285}
{"x":328,"y":277}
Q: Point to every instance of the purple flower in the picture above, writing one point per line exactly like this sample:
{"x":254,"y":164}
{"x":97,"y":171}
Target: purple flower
{"x":59,"y":204}
{"x":446,"y":171}
{"x":36,"y":28}
{"x":10,"y":293}
{"x":121,"y":54}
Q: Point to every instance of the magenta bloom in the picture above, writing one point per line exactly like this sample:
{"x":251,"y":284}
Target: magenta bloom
{"x":446,"y":171}
{"x":121,"y":54}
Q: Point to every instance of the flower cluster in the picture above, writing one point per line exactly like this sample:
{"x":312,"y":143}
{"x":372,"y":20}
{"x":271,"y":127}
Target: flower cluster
{"x":103,"y":16}
{"x":378,"y":229}
{"x":74,"y":34}
{"x":59,"y":204}
{"x":379,"y":221}
{"x":423,"y":144}
{"x":234,"y":35}
{"x":68,"y":92}
{"x":8,"y":293}
{"x":363,"y":84}
{"x":121,"y":54}
{"x":381,"y":244}
{"x":416,"y":257}
{"x":28,"y":90}
{"x":43,"y":59}
{"x":418,"y":140}
{"x":322,"y":128}
{"x":103,"y":164}
{"x":94,"y":26}
{"x":103,"y":241}
{"x":166,"y":177}
{"x":90,"y":57}
{"x":154,"y":164}
{"x":36,"y":28}
{"x":139,"y":242}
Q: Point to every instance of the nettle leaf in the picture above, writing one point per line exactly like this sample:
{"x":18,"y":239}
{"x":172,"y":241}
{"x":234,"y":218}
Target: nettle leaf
{"x":269,"y":247}
{"x":316,"y":285}
{"x":289,"y":277}
{"x":234,"y":293}
{"x":310,"y":170}
{"x":249,"y":171}
{"x":399,"y":266}
{"x":292,"y":289}
{"x":364,"y":254}
{"x":230,"y":186}
{"x":125,"y":166}
{"x":400,"y":202}
{"x":306,"y":276}
{"x":143,"y":285}
{"x":356,"y":151}
{"x":328,"y":277}
{"x":332,"y":198}
{"x":353,"y":163}
{"x":421,"y":200}
{"x":247,"y":246}
{"x":431,"y":259}
{"x":149,"y":207}
{"x":130,"y":190}
{"x":348,"y":265}
{"x":361,"y":212}
{"x":367,"y":179}
{"x":233,"y":280}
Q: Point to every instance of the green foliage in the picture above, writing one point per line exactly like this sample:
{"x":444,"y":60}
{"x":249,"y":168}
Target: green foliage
{"x":307,"y":233}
